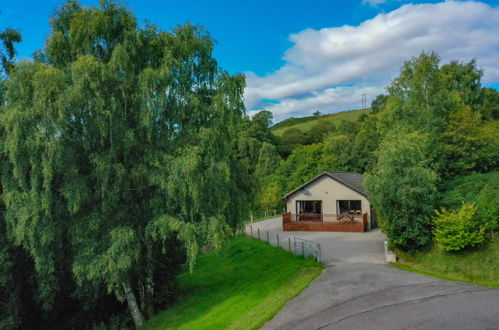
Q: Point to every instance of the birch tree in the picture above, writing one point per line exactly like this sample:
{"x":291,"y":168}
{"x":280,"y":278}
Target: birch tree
{"x":117,"y":146}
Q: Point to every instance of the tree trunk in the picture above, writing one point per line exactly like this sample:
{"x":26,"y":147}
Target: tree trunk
{"x":131,"y":300}
{"x":149,"y":296}
{"x":149,"y":289}
{"x":142,"y":297}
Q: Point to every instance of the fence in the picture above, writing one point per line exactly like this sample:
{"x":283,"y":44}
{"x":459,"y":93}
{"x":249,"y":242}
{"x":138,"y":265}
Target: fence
{"x":298,"y":246}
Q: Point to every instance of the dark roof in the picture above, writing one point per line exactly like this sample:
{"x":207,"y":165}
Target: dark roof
{"x":349,"y":179}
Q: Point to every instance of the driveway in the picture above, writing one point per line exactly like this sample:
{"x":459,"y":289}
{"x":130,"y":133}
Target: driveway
{"x":358,"y":291}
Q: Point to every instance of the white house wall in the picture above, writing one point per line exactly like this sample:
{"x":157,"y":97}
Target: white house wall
{"x":328,"y":191}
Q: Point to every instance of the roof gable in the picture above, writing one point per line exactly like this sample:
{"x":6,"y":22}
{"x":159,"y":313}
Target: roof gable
{"x":349,"y":179}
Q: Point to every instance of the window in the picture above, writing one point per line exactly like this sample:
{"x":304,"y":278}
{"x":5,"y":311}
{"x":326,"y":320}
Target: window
{"x":308,"y":207}
{"x":348,"y":207}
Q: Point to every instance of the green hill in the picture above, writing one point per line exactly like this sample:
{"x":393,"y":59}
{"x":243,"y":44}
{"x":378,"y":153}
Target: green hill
{"x":240,"y":287}
{"x":305,"y":123}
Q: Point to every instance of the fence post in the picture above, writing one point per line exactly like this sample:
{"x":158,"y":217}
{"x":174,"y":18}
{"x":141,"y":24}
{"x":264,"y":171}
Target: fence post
{"x":258,"y":232}
{"x":268,"y":239}
{"x":251,"y":229}
{"x":277,"y":240}
{"x":302,"y":249}
{"x":289,"y":244}
{"x":318,"y":252}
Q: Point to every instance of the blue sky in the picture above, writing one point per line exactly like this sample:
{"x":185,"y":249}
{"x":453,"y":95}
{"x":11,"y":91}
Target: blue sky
{"x":303,"y":56}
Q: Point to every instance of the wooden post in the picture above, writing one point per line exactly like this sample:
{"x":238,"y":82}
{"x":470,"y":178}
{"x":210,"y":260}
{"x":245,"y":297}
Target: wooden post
{"x":289,"y":244}
{"x":251,"y":229}
{"x":277,"y":240}
{"x":302,"y":249}
{"x":258,"y":232}
{"x":268,"y":239}
{"x":319,"y":252}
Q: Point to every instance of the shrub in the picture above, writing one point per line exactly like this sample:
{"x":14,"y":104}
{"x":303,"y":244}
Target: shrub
{"x":459,"y":229}
{"x":488,"y":208}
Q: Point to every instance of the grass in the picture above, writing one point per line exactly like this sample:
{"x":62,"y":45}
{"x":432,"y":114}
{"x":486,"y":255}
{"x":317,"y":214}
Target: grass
{"x":241,"y":287}
{"x":477,"y":266}
{"x":305,"y":123}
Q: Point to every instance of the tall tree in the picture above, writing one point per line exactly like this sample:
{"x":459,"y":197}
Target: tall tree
{"x":417,"y":99}
{"x":124,"y":141}
{"x":402,"y":189}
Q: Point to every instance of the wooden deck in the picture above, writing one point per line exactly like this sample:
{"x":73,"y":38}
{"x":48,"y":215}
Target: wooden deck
{"x":338,"y":226}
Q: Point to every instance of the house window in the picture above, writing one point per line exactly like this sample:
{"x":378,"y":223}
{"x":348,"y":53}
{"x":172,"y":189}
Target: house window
{"x":349,"y":207}
{"x":309,"y":207}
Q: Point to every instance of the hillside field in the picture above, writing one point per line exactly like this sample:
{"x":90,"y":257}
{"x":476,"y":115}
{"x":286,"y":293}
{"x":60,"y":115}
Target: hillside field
{"x":305,"y":123}
{"x":241,"y":287}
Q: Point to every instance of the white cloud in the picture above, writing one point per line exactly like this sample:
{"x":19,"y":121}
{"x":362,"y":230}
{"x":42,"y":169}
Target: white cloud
{"x":375,"y":3}
{"x":329,"y":69}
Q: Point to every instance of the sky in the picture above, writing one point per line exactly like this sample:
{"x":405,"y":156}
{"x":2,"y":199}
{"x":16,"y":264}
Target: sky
{"x":305,"y":56}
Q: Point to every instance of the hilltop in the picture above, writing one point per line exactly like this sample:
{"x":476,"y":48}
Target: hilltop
{"x":305,"y":123}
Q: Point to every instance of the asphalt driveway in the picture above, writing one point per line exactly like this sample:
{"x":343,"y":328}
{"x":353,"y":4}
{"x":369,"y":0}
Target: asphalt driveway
{"x":358,"y":291}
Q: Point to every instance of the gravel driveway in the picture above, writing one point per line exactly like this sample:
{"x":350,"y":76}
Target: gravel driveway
{"x":358,"y":291}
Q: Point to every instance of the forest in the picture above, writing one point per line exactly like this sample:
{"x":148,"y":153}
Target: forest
{"x":126,"y":151}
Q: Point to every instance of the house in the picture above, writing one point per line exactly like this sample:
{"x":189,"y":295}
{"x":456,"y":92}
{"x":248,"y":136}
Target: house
{"x":332,"y":201}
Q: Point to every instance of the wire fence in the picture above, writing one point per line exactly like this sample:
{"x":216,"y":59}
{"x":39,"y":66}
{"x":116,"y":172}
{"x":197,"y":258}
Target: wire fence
{"x":296,"y":245}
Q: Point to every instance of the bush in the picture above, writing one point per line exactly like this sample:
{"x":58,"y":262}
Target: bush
{"x":488,"y":208}
{"x":459,"y":229}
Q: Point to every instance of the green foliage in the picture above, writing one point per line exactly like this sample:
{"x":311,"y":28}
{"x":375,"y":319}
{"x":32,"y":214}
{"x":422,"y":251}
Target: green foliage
{"x":463,"y":79}
{"x":124,"y":140}
{"x":470,"y":189}
{"x":363,"y":148}
{"x":348,"y":128}
{"x":8,"y":38}
{"x":403,"y":189}
{"x":319,"y":130}
{"x":488,"y":208}
{"x":305,"y":163}
{"x":478,"y":266}
{"x":460,"y":229}
{"x":259,"y":128}
{"x":240,"y":288}
{"x":479,"y":189}
{"x":489,"y":105}
{"x":468,"y":144}
{"x":379,"y":103}
{"x":291,"y":139}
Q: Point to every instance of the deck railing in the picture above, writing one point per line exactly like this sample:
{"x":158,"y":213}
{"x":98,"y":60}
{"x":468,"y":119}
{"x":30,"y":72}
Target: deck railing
{"x":288,"y":217}
{"x":325,"y":222}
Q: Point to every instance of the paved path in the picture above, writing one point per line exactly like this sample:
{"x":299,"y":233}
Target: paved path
{"x":358,"y":291}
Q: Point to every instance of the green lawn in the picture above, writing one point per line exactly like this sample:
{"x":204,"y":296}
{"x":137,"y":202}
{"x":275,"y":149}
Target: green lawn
{"x":305,"y":123}
{"x":241,"y":287}
{"x":478,"y":266}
